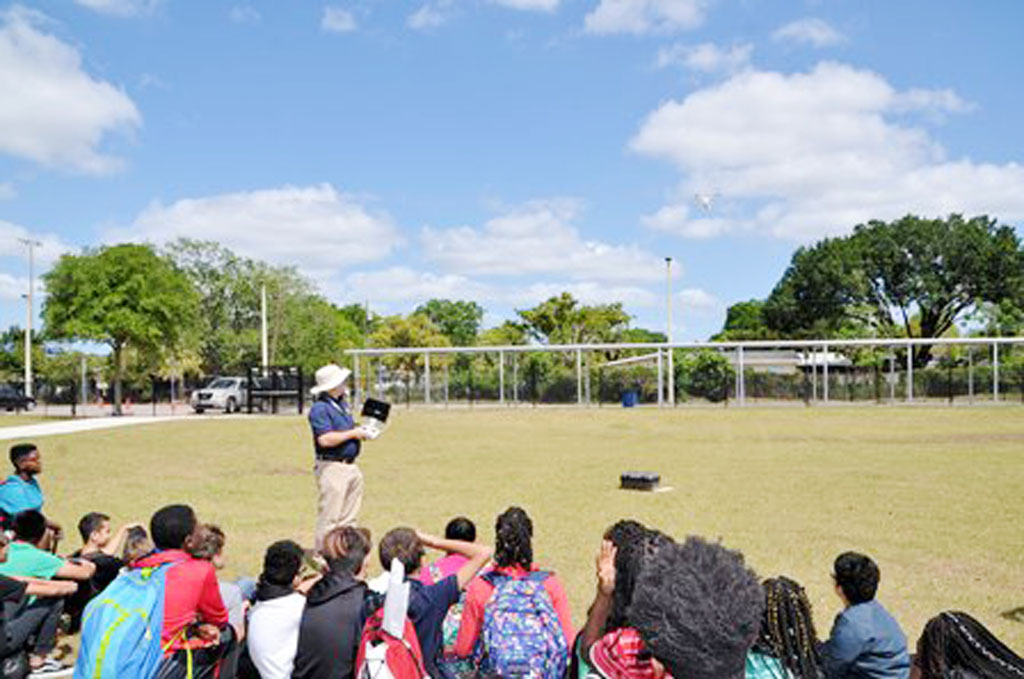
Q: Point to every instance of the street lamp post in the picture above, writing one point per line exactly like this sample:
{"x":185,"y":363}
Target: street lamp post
{"x":31,"y":244}
{"x":671,"y":361}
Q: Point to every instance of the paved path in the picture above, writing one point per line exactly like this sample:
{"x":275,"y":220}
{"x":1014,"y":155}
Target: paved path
{"x":31,"y":431}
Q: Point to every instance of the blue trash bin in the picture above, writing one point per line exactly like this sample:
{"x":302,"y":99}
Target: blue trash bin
{"x":629,"y":399}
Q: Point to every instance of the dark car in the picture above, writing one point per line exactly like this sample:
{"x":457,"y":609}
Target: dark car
{"x":12,"y":398}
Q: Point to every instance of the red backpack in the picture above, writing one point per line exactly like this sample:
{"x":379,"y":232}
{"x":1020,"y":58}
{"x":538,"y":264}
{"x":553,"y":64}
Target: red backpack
{"x":382,"y":656}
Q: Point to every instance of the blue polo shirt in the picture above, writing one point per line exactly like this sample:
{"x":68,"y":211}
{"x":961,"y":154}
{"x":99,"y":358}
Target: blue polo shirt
{"x":329,"y":414}
{"x":17,"y":495}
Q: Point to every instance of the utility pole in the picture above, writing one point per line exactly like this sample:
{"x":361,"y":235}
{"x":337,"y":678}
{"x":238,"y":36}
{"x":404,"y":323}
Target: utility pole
{"x":31,"y":244}
{"x":671,"y":360}
{"x":263,"y":325}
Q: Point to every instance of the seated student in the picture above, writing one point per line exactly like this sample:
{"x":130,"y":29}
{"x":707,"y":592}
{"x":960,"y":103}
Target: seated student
{"x":333,"y":616}
{"x":273,"y":636}
{"x":954,"y":645}
{"x":787,"y":645}
{"x":21,"y":491}
{"x":608,"y":645}
{"x":462,"y":529}
{"x":101,"y":548}
{"x":207,"y":543}
{"x":697,"y":608}
{"x":516,"y":580}
{"x":428,"y":604}
{"x":136,"y":545}
{"x":866,"y":641}
{"x":195,"y":618}
{"x":30,"y":611}
{"x":25,"y":558}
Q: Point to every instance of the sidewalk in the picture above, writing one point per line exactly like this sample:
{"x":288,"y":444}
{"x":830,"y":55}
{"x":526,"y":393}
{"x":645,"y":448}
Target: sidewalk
{"x":31,"y":431}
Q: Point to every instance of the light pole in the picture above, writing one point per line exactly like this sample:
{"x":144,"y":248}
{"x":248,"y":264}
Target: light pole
{"x":671,"y":362}
{"x":31,"y":244}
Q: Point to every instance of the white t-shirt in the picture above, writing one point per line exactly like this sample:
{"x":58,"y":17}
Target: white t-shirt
{"x":274,"y":635}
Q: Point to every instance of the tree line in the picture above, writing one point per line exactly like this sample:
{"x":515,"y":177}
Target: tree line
{"x":193,"y":307}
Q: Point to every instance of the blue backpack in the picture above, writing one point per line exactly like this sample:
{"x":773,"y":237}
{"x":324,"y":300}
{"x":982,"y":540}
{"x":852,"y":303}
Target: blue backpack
{"x":121,"y":627}
{"x":521,"y":634}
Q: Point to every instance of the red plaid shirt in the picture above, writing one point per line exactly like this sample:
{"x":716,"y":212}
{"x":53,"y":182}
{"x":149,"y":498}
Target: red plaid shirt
{"x":621,"y":654}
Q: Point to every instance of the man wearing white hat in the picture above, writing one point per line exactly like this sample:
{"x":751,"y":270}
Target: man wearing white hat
{"x":336,"y":439}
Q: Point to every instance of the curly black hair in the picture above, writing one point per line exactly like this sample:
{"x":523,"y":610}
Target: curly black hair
{"x":633,"y":542}
{"x":513,"y":538}
{"x":953,"y":643}
{"x":698,"y":609}
{"x":787,"y":628}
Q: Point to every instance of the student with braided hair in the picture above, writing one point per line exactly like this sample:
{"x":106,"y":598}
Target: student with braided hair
{"x":608,"y":645}
{"x":787,"y":645}
{"x":516,"y":607}
{"x":954,"y":645}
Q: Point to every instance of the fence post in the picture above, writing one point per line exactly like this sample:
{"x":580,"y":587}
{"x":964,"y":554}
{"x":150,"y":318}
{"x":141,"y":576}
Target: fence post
{"x":515,"y":378}
{"x":501,"y":377}
{"x":355,"y":383}
{"x":813,"y":355}
{"x":579,"y":376}
{"x":995,"y":371}
{"x":824,"y":372}
{"x":426,"y":377}
{"x":446,"y":385}
{"x":970,"y":374}
{"x":910,"y":373}
{"x":661,"y":381}
{"x":741,"y":394}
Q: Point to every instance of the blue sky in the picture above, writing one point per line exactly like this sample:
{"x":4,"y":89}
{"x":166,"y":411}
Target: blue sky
{"x":503,"y":150}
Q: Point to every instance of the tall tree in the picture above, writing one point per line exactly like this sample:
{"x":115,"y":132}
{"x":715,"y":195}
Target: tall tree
{"x":885,"y":274}
{"x":563,"y":320}
{"x":304,"y":328}
{"x":745,"y":321}
{"x":459,"y":321}
{"x":120,"y":295}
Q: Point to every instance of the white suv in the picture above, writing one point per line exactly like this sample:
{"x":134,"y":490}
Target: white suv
{"x":223,"y":393}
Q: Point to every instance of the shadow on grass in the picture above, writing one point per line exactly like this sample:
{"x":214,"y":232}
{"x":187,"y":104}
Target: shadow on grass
{"x":1014,"y":614}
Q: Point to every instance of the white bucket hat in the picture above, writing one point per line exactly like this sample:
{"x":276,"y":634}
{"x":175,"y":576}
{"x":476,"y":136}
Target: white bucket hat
{"x":329,"y":377}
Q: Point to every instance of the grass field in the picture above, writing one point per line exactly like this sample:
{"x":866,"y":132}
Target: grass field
{"x":936,"y":495}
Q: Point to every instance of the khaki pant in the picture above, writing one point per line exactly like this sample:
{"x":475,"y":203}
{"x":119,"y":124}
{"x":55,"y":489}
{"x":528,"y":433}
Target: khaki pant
{"x":340,"y":490}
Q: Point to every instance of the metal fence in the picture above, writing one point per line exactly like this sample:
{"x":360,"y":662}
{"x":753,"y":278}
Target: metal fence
{"x":811,"y":372}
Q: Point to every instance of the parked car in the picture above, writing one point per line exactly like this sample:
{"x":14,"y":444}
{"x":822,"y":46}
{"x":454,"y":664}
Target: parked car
{"x":223,"y":393}
{"x":12,"y":398}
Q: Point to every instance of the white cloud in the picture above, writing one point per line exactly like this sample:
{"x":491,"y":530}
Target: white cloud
{"x":7,"y":191}
{"x":810,"y":31}
{"x":809,"y":154}
{"x":644,"y":16}
{"x":529,"y":5}
{"x":588,"y":292}
{"x":50,"y":249}
{"x":338,"y":20}
{"x":538,"y":237}
{"x":314,"y":228}
{"x":244,"y":14}
{"x":410,"y":288}
{"x":401,"y":288}
{"x":121,"y":8}
{"x":698,"y":301}
{"x":706,"y":57}
{"x":427,"y":17}
{"x":54,"y":113}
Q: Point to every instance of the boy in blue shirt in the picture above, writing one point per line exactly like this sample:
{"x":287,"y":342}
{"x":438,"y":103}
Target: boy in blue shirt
{"x":866,"y":641}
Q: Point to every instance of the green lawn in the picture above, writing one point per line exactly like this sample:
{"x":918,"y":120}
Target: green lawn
{"x":936,"y":495}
